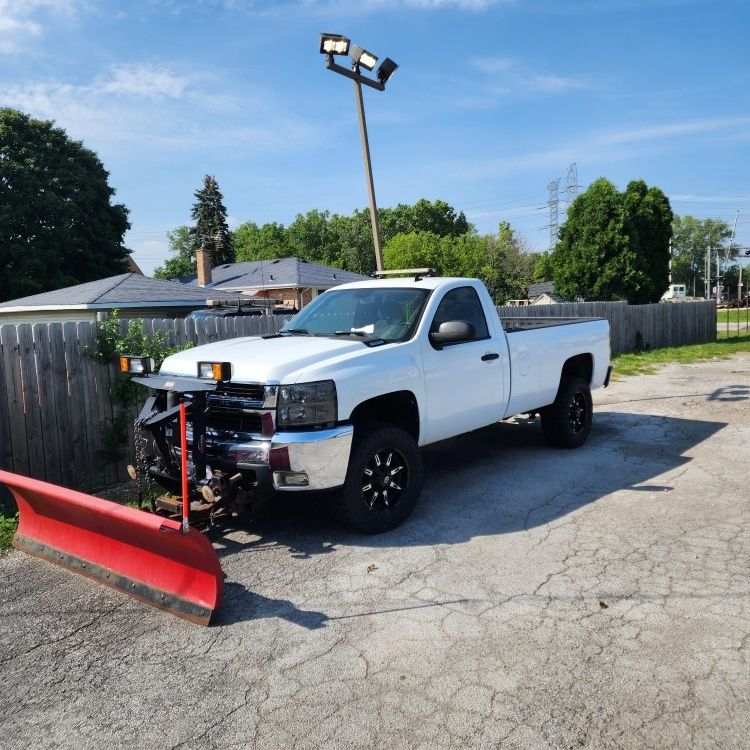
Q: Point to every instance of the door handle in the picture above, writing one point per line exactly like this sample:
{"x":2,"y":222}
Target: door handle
{"x":488,"y":357}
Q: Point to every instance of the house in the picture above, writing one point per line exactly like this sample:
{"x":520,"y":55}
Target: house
{"x":134,"y":295}
{"x":292,"y":280}
{"x":543,"y":294}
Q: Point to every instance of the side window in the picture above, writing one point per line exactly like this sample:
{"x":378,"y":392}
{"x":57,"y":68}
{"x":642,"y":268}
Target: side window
{"x":462,"y":304}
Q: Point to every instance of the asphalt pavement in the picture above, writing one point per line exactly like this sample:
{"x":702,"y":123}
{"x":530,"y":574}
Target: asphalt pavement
{"x":536,"y":598}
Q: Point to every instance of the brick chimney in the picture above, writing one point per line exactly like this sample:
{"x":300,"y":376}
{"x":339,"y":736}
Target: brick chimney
{"x":203,"y":262}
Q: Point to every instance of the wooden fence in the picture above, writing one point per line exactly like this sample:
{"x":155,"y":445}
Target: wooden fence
{"x":634,"y":327}
{"x":55,"y":402}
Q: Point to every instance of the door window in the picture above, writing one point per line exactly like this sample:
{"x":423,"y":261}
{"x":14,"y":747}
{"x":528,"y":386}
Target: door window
{"x":462,"y":304}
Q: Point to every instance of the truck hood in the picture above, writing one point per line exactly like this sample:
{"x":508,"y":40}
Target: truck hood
{"x":258,"y":360}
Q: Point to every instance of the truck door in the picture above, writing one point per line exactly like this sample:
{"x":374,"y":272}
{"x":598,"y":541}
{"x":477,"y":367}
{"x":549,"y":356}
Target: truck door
{"x":463,"y":381}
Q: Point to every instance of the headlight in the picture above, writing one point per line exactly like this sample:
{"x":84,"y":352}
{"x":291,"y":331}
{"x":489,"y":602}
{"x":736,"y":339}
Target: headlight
{"x":215,"y":370}
{"x":307,"y":404}
{"x":136,"y":365}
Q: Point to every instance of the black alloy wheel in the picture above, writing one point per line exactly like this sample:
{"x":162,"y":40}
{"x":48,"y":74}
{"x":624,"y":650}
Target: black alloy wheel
{"x":577,"y":412}
{"x":383,"y":480}
{"x":566,"y":422}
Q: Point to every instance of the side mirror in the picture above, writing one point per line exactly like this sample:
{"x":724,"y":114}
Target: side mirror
{"x":452,"y":332}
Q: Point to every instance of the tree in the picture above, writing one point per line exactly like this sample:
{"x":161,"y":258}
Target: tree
{"x":57,"y":224}
{"x":614,"y":245}
{"x":508,"y":266}
{"x":543,"y":268}
{"x":261,"y":243}
{"x":311,"y":237}
{"x":650,"y":225}
{"x":437,"y":217}
{"x":183,"y":262}
{"x":693,"y":239}
{"x":210,"y":217}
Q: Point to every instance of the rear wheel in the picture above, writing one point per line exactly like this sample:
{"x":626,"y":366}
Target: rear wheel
{"x":566,"y":423}
{"x":383,"y":481}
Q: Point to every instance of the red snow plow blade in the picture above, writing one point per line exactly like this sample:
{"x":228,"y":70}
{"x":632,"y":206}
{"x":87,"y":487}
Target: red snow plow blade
{"x":143,"y":555}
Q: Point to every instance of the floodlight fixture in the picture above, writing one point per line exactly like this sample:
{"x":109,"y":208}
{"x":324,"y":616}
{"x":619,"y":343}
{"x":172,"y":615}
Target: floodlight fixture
{"x":333,"y":44}
{"x":336,"y":44}
{"x":386,"y":70}
{"x":362,"y":57}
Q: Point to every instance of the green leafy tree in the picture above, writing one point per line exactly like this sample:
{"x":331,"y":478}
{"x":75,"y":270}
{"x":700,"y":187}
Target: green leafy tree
{"x":182,"y":262}
{"x":261,"y":243}
{"x":210,"y":217}
{"x":58,"y":226}
{"x":311,"y":237}
{"x":649,"y":217}
{"x":614,"y":245}
{"x":543,"y":268}
{"x":693,"y":239}
{"x":508,"y":267}
{"x":437,"y":217}
{"x":415,"y":250}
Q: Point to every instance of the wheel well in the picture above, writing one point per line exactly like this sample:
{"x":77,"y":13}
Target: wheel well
{"x":399,"y":408}
{"x":581,"y":366}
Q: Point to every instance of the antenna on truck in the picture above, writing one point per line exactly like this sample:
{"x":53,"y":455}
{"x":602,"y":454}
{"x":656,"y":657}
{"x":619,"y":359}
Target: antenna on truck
{"x":417,"y":273}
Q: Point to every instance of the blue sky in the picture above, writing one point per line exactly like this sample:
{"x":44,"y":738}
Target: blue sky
{"x":492,"y":100}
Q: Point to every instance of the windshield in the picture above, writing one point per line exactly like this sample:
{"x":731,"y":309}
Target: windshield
{"x":388,"y":314}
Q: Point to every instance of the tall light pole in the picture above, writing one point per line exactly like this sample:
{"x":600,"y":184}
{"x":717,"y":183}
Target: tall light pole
{"x":336,"y":44}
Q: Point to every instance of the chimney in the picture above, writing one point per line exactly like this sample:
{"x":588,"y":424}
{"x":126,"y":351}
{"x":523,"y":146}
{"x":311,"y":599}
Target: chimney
{"x":203,"y":262}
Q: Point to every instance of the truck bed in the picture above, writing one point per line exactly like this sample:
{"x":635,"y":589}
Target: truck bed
{"x":513,"y":325}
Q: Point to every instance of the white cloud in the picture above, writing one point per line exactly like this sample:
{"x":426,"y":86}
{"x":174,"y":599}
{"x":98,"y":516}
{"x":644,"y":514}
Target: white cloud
{"x":675,"y":129}
{"x":22,"y":21}
{"x":493,"y":65}
{"x":600,"y":147}
{"x":505,"y":76}
{"x":554,"y":84}
{"x":143,"y":80}
{"x":147,"y":106}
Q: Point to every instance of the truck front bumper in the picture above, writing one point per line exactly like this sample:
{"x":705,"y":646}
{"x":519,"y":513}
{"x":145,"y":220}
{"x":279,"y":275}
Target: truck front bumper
{"x":293,"y":461}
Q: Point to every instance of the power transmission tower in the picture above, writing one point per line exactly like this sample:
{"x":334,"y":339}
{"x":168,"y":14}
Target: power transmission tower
{"x":553,"y":202}
{"x":570,"y":191}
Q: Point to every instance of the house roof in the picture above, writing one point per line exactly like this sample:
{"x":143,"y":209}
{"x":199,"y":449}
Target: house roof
{"x":125,"y":290}
{"x":276,"y":274}
{"x":546,"y":287}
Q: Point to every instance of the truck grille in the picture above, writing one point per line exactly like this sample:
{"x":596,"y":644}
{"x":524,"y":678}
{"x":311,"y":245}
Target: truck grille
{"x":234,"y":421}
{"x":239,"y":391}
{"x":231,"y":408}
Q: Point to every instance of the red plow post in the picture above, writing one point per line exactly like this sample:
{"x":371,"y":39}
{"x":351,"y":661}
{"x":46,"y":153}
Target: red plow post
{"x":150,"y":558}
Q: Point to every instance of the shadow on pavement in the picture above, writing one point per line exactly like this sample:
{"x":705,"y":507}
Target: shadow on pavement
{"x":501,"y":479}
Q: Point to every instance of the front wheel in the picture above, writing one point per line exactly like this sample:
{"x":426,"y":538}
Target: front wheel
{"x":566,"y":423}
{"x":383,"y":480}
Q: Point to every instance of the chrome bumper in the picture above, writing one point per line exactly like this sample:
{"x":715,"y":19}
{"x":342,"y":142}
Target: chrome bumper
{"x":296,"y":461}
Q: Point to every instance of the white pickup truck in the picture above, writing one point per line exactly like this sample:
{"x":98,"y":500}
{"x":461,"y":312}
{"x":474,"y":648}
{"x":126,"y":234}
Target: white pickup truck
{"x":343,"y":397}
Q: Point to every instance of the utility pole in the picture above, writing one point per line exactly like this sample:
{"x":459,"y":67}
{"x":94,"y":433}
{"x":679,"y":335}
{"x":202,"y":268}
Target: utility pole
{"x":718,"y":278}
{"x":670,"y":261}
{"x":368,"y":174}
{"x":707,"y":274}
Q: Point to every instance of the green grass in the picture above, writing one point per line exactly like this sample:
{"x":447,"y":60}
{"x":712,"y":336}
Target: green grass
{"x":650,"y":361}
{"x":723,"y":315}
{"x":8,"y":525}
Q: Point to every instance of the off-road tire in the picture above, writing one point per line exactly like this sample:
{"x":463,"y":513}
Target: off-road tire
{"x":566,"y":423}
{"x":394,"y":489}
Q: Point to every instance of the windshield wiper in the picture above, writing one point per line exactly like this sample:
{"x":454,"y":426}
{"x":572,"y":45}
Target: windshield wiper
{"x":299,"y":331}
{"x":350,"y":333}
